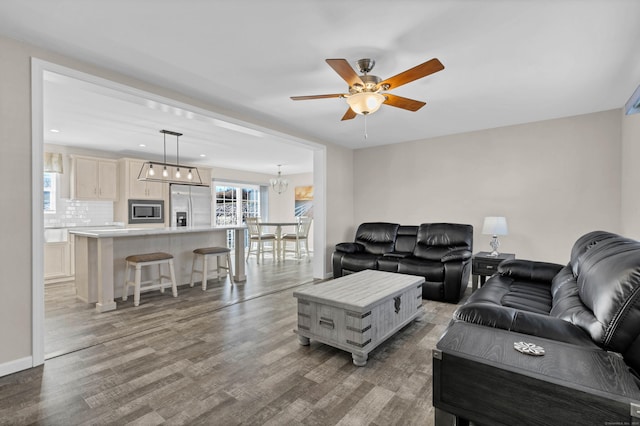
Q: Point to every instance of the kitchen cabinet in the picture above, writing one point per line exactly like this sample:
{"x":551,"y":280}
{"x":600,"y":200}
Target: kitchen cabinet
{"x":59,"y":262}
{"x":94,"y":178}
{"x":141,"y":190}
{"x":205,"y":176}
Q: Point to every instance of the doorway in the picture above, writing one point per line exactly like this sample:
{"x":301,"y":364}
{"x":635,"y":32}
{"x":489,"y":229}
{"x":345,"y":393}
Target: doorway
{"x":40,"y":69}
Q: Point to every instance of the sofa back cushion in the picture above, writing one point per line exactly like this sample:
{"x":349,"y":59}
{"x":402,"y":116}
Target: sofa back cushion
{"x":603,"y":298}
{"x":583,"y":244}
{"x":609,"y":285}
{"x":406,"y":239}
{"x":434,"y":240}
{"x":377,"y":237}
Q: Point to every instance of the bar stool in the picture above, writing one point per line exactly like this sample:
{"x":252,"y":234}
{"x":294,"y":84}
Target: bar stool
{"x":205,"y":253}
{"x":148,"y":259}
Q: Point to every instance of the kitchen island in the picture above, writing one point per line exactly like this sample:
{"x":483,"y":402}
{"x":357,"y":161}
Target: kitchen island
{"x":100,"y":256}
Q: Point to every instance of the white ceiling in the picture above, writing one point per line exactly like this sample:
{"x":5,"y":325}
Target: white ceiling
{"x":506,"y":62}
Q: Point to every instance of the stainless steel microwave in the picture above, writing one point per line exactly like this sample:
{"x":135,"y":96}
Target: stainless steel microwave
{"x":146,"y":211}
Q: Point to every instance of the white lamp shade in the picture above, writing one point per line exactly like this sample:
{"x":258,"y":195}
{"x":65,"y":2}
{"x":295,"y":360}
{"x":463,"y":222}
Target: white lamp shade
{"x":495,"y":225}
{"x":365,"y":102}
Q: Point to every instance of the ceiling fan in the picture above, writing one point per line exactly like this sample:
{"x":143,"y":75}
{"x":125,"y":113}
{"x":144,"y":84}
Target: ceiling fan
{"x":365,"y":91}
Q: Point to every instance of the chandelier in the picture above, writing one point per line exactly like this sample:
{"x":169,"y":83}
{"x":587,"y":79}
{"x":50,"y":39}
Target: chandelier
{"x":155,"y":171}
{"x":279,"y":184}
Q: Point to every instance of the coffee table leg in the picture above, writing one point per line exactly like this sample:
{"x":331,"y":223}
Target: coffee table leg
{"x":360,"y":360}
{"x":304,"y":341}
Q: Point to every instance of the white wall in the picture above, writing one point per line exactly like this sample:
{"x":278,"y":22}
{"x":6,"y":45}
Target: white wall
{"x":630,"y":176}
{"x":553,"y":181}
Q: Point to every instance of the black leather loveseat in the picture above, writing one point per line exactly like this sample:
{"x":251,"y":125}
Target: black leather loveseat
{"x":439,"y":252}
{"x":593,"y":301}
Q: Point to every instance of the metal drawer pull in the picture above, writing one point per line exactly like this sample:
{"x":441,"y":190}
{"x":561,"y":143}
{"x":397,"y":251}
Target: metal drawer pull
{"x":326,"y":323}
{"x":489,"y":267}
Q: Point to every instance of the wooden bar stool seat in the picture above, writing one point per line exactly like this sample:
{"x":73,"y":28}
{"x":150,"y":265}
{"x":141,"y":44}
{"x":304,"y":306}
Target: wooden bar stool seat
{"x":137,"y":261}
{"x":205,"y":253}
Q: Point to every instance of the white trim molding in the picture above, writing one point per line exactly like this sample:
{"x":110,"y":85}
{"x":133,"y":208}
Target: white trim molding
{"x":16,"y":365}
{"x":37,"y":214}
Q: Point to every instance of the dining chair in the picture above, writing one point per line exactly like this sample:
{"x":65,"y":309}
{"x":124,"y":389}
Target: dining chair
{"x":301,"y":235}
{"x":258,"y":239}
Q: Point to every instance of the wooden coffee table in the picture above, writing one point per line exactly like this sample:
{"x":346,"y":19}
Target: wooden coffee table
{"x":357,"y":312}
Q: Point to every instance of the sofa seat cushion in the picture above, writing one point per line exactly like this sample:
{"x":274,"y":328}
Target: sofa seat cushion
{"x":430,"y":270}
{"x":360,"y":261}
{"x":523,"y":295}
{"x":388,"y":263}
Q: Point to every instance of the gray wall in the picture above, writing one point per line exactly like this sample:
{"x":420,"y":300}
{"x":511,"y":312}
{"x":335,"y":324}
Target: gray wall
{"x":631,"y":176}
{"x":553,"y":181}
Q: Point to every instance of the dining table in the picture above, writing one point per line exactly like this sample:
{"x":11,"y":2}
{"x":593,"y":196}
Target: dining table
{"x":278,"y":226}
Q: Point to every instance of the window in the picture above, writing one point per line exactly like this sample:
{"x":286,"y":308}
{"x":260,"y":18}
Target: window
{"x":233,"y":203}
{"x":49,"y":186}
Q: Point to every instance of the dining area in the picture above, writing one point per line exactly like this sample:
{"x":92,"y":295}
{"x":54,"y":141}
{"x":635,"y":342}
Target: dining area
{"x":268,"y":237}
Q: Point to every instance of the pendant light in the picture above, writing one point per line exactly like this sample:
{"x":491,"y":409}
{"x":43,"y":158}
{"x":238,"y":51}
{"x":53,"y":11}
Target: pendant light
{"x":170,"y":172}
{"x":279,"y":184}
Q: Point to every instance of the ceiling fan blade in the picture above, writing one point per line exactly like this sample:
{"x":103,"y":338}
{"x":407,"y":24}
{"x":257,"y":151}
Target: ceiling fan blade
{"x":349,"y":114}
{"x":302,"y":98}
{"x":342,"y":67}
{"x":404,"y":103}
{"x":419,"y":71}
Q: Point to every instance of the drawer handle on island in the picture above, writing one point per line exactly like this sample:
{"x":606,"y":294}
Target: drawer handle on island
{"x":489,"y":267}
{"x":326,"y":323}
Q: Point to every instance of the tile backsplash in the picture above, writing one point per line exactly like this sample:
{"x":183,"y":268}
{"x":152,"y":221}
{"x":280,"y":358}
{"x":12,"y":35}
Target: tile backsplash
{"x":71,"y":213}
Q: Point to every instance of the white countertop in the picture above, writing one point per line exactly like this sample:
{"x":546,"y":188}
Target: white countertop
{"x":134,"y":232}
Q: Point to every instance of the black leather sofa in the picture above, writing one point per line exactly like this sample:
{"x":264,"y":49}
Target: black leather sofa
{"x":439,"y":252}
{"x":593,"y":301}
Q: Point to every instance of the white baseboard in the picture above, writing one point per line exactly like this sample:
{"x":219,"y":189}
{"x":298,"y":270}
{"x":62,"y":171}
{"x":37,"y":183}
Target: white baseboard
{"x":15,"y":366}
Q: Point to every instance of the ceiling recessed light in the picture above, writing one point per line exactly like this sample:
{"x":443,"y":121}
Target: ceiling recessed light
{"x":54,"y":131}
{"x":202,"y":155}
{"x":142,"y":145}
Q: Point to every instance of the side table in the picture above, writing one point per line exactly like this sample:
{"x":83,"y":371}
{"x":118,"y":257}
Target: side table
{"x":479,"y":377}
{"x":484,"y":265}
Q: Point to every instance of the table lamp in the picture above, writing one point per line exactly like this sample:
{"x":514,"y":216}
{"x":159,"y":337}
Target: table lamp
{"x":494,"y":225}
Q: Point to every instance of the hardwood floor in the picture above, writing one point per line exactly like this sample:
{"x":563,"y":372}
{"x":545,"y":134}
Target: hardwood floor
{"x":227,"y":356}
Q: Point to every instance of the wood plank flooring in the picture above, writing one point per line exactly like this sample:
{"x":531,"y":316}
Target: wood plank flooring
{"x":227,"y":356}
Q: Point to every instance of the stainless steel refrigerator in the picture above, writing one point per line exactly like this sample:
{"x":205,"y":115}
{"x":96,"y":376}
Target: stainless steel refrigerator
{"x":190,"y":205}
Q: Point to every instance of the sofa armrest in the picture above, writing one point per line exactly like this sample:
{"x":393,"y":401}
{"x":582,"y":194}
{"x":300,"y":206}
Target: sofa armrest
{"x":350,"y":247}
{"x":457,"y":255}
{"x":529,"y":270}
{"x":518,"y":321}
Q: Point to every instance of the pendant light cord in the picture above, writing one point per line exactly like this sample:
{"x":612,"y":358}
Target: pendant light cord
{"x":165,"y":148}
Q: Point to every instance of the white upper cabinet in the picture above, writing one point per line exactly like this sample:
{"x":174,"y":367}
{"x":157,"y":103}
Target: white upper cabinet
{"x":140,"y":189}
{"x":94,"y":178}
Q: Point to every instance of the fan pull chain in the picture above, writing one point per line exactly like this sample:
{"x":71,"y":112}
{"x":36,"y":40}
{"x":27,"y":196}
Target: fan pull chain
{"x":365,"y":126}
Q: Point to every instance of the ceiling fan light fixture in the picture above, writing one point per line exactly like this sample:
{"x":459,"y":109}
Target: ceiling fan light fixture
{"x":365,"y":103}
